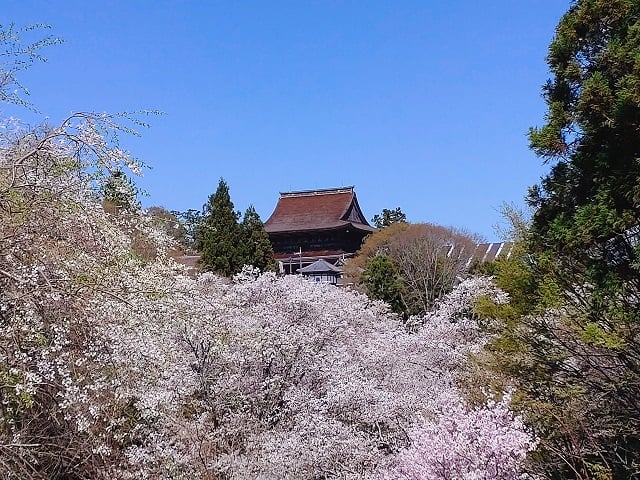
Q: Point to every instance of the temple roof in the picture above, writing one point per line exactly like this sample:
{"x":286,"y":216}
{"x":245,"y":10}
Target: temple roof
{"x":307,"y":210}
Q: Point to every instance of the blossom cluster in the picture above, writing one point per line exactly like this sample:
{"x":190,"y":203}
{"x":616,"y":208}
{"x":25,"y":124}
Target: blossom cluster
{"x":481,"y":443}
{"x":267,"y":377}
{"x":116,"y":364}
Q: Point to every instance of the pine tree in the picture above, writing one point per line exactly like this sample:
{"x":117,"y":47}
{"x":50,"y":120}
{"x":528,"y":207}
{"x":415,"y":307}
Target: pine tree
{"x":389,"y":217}
{"x":589,"y":201}
{"x":220,"y":237}
{"x":257,"y":247}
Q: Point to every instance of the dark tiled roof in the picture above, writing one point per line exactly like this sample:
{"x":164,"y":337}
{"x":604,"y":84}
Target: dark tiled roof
{"x":317,"y":210}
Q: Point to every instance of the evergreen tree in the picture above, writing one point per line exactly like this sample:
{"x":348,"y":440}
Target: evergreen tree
{"x":257,"y":246}
{"x":590,"y":200}
{"x":120,"y":192}
{"x":191,"y":222}
{"x":220,"y":239}
{"x":578,"y":365}
{"x":382,"y":281}
{"x":389,"y":217}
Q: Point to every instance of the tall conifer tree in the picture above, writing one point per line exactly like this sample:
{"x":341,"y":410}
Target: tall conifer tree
{"x":258,"y":249}
{"x":220,"y":238}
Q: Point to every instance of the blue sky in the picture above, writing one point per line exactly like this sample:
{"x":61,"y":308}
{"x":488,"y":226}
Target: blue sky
{"x":423,"y":105}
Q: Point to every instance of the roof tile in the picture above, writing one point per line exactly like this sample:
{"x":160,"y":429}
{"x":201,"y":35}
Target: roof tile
{"x":316,"y":210}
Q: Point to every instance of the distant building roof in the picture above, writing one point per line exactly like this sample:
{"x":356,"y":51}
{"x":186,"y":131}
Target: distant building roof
{"x":309,"y":210}
{"x":489,"y":252}
{"x":320,"y":266}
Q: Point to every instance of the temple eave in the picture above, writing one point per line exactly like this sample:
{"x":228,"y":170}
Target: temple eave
{"x":283,"y":230}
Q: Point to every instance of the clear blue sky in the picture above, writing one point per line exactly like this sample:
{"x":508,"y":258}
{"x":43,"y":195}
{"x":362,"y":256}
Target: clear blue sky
{"x":423,"y":105}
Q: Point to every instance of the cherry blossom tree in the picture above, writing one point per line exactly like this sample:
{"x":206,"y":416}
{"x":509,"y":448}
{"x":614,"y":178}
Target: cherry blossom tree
{"x":116,"y":364}
{"x":272,"y":377}
{"x":486,"y":443}
{"x":151,"y":374}
{"x":59,"y":255}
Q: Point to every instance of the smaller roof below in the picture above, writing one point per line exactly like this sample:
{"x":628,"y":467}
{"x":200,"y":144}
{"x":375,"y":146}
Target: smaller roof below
{"x":320,"y":266}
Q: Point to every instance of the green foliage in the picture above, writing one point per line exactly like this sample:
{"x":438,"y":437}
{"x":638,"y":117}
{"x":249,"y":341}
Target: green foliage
{"x":595,"y":334}
{"x":389,"y":217}
{"x":428,"y":261}
{"x":592,"y":129}
{"x":257,"y":247}
{"x":225,"y":244}
{"x":383,"y":282}
{"x":569,"y":338}
{"x":120,"y":192}
{"x":190,"y":221}
{"x":220,"y":238}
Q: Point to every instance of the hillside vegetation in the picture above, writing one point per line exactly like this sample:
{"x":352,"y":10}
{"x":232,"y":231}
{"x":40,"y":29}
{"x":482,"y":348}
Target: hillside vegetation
{"x":115,"y":363}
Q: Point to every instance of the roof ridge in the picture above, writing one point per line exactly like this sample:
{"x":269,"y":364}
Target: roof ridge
{"x":322,"y":191}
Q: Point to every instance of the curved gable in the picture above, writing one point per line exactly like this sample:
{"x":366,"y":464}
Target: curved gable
{"x":354,"y":213}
